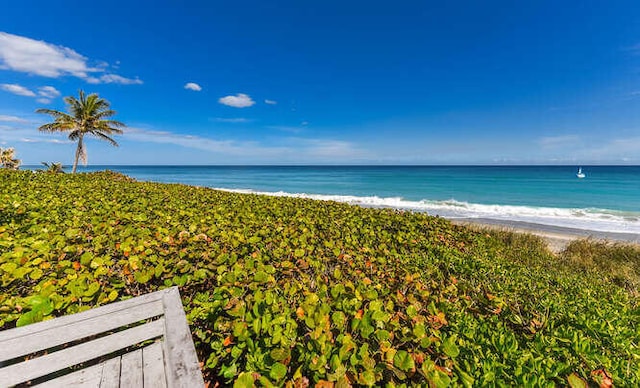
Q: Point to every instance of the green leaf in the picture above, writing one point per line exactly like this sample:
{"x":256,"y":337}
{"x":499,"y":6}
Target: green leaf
{"x":450,"y":348}
{"x":576,"y":381}
{"x":41,"y":304}
{"x":29,"y":318}
{"x":92,"y":289}
{"x":368,"y":378}
{"x":261,"y":277}
{"x":403,"y":361}
{"x":9,"y":267}
{"x":278,"y":371}
{"x":338,"y":318}
{"x":280,"y":354}
{"x":244,"y":380}
{"x":36,"y":274}
{"x":113,"y":295}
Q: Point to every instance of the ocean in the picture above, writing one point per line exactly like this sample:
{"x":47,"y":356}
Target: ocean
{"x":606,"y":200}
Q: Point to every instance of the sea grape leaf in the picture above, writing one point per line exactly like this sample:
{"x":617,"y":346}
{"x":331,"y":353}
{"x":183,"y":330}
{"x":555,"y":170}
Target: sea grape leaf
{"x":278,"y":371}
{"x":450,"y":348}
{"x":403,"y":361}
{"x":244,"y":380}
{"x":576,"y":381}
{"x":41,"y":304}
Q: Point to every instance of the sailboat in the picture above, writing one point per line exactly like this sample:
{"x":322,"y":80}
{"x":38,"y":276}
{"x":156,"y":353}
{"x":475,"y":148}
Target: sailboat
{"x":580,"y":174}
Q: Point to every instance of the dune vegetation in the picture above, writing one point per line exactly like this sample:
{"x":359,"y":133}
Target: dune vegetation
{"x":296,"y":292}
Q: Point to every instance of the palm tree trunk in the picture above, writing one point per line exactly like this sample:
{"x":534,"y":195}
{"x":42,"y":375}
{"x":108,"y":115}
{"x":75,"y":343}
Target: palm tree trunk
{"x":78,"y":152}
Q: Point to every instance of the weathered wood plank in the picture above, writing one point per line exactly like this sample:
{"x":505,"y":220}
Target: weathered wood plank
{"x":131,"y":370}
{"x":153,"y":366}
{"x":64,"y":320}
{"x":111,"y":373}
{"x":72,"y":331}
{"x":86,"y":351}
{"x":181,"y":363}
{"x":88,"y":377}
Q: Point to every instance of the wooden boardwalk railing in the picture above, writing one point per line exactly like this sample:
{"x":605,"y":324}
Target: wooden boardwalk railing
{"x":102,"y":347}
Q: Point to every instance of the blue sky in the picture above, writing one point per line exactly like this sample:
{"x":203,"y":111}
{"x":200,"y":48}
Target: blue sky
{"x":330,"y":82}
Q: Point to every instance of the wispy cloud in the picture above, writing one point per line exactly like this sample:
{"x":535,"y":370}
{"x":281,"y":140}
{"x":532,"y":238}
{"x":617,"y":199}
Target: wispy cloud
{"x":114,"y":79}
{"x":299,"y":150}
{"x":587,"y":149}
{"x":240,"y":100}
{"x":12,"y":119}
{"x":48,"y":92}
{"x":45,"y":93}
{"x":18,"y":89}
{"x":558,"y":141}
{"x":270,"y":102}
{"x":232,"y":120}
{"x":17,"y":132}
{"x":193,"y":86}
{"x":43,"y":140}
{"x":37,"y":57}
{"x":286,"y":128}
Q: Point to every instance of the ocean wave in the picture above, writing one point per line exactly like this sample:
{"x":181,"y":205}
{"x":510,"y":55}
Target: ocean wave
{"x":602,"y":220}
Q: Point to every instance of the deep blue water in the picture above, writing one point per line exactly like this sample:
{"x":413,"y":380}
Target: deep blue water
{"x":607,"y":199}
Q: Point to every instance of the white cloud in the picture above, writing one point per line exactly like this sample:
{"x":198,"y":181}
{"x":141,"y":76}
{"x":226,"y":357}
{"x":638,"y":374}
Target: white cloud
{"x":41,"y":140}
{"x":17,"y":89}
{"x":193,"y":86}
{"x":44,"y":100}
{"x":19,"y":53}
{"x":240,"y":100}
{"x":12,"y":119}
{"x":284,"y":128}
{"x":48,"y":92}
{"x":232,"y":120}
{"x":270,"y":102}
{"x":114,"y":79}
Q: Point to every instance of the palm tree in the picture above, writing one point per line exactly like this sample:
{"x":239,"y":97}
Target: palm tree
{"x":7,"y":159}
{"x":54,"y":168}
{"x":88,"y":115}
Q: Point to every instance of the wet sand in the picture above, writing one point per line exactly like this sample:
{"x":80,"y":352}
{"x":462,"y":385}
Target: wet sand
{"x":557,"y":237}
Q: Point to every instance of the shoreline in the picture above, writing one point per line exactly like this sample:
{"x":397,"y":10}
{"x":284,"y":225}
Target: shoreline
{"x":557,"y":237}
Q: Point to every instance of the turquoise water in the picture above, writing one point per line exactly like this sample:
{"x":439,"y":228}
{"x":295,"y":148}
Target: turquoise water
{"x":608,"y":199}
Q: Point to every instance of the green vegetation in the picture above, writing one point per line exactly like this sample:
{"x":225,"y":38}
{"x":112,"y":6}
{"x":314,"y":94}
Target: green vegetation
{"x":88,"y":115}
{"x":297,"y":292}
{"x":618,"y":263}
{"x":8,"y":160}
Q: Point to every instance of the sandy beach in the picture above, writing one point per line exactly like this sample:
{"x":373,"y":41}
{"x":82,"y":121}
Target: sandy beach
{"x":557,"y":237}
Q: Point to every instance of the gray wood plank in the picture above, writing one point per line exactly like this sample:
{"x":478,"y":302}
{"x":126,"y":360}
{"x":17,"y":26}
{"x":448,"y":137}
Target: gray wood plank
{"x":61,"y":321}
{"x":56,"y":361}
{"x":88,"y":377}
{"x":111,"y":374}
{"x":73,"y":331}
{"x":131,"y":370}
{"x":181,"y":363}
{"x":153,"y":366}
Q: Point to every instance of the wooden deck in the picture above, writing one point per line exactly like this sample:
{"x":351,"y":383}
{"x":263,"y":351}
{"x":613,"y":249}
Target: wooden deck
{"x":103,"y":347}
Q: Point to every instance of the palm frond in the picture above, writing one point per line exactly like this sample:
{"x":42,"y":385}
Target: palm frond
{"x":56,"y":126}
{"x":104,"y":137}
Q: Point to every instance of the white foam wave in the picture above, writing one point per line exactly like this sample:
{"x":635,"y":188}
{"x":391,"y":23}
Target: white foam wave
{"x":593,"y":219}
